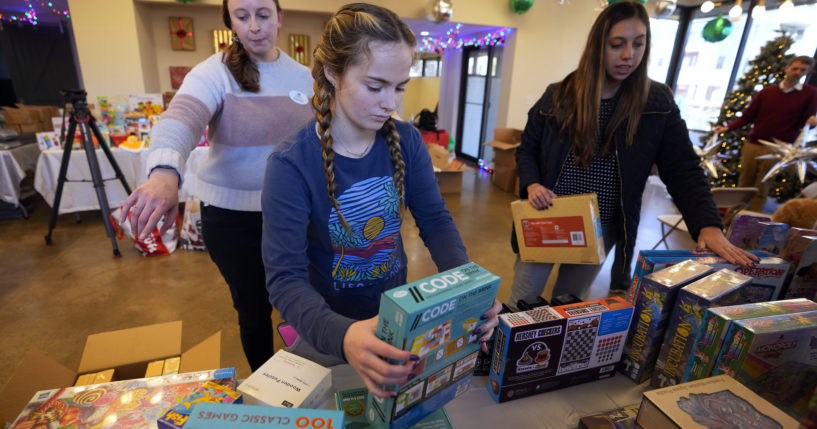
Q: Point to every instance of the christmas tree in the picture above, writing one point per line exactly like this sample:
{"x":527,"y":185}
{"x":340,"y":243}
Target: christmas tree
{"x":765,"y":69}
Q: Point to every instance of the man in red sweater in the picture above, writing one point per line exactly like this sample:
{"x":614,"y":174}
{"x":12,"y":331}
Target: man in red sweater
{"x":778,"y":111}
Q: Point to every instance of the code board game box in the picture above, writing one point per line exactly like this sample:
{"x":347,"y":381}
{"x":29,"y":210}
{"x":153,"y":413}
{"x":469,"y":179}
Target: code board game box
{"x":715,"y":402}
{"x":769,"y":275}
{"x":132,"y":404}
{"x":210,"y":415}
{"x":715,"y":325}
{"x":435,"y":319}
{"x":774,"y":356}
{"x":353,"y":404}
{"x":548,"y":348}
{"x":723,"y":287}
{"x":651,"y":314}
{"x":175,"y":417}
{"x":568,"y":232}
{"x":287,"y":380}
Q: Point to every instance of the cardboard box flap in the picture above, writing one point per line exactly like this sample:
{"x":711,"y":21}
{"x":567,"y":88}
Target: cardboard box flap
{"x":203,"y":356}
{"x":502,"y":145}
{"x":439,"y":156}
{"x":34,"y":373}
{"x":117,"y":348}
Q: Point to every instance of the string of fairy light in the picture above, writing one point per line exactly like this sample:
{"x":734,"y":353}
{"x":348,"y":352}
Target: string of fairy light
{"x":31,"y":15}
{"x":453,"y":40}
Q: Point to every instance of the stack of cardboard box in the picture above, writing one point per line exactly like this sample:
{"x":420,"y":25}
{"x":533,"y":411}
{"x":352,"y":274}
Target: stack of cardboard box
{"x":505,"y":142}
{"x":29,"y":119}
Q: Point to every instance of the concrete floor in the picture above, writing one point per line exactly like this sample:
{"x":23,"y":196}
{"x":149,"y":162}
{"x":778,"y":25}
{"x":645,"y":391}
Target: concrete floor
{"x":53,"y":297}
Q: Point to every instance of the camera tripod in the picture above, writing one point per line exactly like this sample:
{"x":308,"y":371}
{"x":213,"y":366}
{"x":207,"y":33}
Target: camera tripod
{"x":81,"y":117}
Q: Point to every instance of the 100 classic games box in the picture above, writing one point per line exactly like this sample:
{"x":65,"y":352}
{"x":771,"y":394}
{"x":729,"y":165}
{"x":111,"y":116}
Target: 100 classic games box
{"x":549,"y":348}
{"x":435,"y":319}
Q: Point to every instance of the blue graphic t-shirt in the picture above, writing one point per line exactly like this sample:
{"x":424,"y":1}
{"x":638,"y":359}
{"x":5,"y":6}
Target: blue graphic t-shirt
{"x":321,"y":277}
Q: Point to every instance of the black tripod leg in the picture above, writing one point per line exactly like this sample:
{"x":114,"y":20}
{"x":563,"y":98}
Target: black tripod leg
{"x":109,"y":154}
{"x":99,"y":184}
{"x":66,"y":158}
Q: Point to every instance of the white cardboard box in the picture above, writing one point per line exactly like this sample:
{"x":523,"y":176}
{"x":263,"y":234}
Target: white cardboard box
{"x":287,"y":380}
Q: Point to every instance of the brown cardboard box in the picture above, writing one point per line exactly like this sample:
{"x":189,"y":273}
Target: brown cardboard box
{"x":127,"y":351}
{"x":567,"y":232}
{"x":505,"y":178}
{"x":449,"y":181}
{"x":508,"y":135}
{"x":449,"y":178}
{"x":661,"y":408}
{"x":504,"y":154}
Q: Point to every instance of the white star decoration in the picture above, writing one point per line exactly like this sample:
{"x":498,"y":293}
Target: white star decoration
{"x":709,"y":157}
{"x":787,"y":154}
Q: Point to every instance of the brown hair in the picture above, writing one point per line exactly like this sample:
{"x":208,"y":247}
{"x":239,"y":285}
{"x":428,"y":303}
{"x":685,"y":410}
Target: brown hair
{"x":807,"y":61}
{"x":578,"y":97}
{"x":237,"y":59}
{"x":346,"y":35}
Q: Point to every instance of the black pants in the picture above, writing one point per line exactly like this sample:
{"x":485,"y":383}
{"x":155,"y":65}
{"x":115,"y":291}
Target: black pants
{"x":233,"y":239}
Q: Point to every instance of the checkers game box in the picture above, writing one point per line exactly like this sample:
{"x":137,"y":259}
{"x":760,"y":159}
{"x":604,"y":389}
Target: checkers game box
{"x":548,"y":348}
{"x":434,"y":318}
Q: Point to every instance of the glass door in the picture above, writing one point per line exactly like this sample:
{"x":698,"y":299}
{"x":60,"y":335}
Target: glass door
{"x":478,"y":100}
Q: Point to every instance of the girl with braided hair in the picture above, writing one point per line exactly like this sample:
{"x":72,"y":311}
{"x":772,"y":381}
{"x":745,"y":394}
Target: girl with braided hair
{"x":333,"y":198}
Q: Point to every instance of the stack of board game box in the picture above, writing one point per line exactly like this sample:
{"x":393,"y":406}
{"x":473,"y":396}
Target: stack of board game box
{"x":723,"y":287}
{"x":652,"y":311}
{"x":774,"y":357}
{"x":435,"y":318}
{"x":553,"y":347}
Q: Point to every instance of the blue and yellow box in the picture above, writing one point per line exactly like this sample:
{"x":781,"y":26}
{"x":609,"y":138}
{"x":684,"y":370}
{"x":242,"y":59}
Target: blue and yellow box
{"x":435,"y":319}
{"x":175,"y":417}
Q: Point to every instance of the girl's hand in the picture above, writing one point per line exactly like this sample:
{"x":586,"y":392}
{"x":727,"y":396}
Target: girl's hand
{"x":540,"y":197}
{"x":367,"y":353}
{"x":154,"y":198}
{"x":712,"y":238}
{"x":486,"y":330}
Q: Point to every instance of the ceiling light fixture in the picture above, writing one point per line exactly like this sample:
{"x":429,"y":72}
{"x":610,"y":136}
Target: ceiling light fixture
{"x":707,"y":6}
{"x":735,"y":12}
{"x":787,"y":5}
{"x":759,"y":9}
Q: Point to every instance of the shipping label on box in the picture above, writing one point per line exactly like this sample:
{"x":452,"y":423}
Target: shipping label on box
{"x":769,"y":274}
{"x":229,"y":416}
{"x":133,"y":404}
{"x":287,"y":380}
{"x":435,"y":319}
{"x":715,"y":325}
{"x":552,"y":347}
{"x":774,"y":356}
{"x":651,"y":314}
{"x":567,"y":232}
{"x":724,"y":287}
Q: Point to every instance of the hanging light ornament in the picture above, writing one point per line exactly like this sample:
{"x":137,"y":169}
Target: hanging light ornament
{"x":661,"y":8}
{"x":736,"y":11}
{"x":787,"y":154}
{"x":522,"y":6}
{"x":717,"y":29}
{"x":709,"y":157}
{"x":439,"y":11}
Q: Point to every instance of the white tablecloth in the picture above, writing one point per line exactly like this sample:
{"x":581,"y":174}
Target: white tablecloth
{"x":556,"y":409}
{"x":11,"y":173}
{"x":80,"y":196}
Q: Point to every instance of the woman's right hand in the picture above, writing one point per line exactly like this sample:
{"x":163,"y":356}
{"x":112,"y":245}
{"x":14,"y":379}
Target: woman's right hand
{"x":540,"y":197}
{"x":367,"y":353}
{"x":154,"y":198}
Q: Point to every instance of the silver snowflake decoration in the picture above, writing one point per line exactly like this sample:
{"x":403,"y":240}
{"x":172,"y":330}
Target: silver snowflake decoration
{"x":709,"y":157}
{"x":797,"y":154}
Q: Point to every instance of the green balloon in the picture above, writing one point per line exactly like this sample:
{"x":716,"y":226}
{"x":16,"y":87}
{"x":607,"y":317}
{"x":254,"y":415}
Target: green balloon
{"x":717,"y":29}
{"x":521,"y":6}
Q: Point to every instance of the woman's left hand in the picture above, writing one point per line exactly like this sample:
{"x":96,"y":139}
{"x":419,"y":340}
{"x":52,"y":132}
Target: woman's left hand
{"x":712,"y":238}
{"x":486,"y":330}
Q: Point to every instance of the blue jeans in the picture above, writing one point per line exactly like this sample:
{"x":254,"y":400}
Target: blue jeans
{"x":530,"y":277}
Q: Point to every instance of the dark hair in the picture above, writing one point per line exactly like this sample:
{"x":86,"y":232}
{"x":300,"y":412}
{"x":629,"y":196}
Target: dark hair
{"x":578,"y":97}
{"x":237,"y":59}
{"x":808,"y":61}
{"x":345,"y":37}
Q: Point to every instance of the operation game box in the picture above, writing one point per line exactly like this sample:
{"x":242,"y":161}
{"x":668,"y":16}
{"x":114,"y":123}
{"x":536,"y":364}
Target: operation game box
{"x":651,"y":314}
{"x":549,"y":348}
{"x":435,"y":319}
{"x":715,"y":325}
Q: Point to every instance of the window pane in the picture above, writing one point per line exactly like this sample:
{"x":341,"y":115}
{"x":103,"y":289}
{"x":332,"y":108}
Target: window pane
{"x":799,"y":24}
{"x":416,"y":69}
{"x":663,"y":40}
{"x":701,"y":83}
{"x":431,"y":67}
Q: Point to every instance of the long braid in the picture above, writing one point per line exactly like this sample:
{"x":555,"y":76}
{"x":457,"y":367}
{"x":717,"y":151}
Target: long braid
{"x":389,"y":132}
{"x":321,"y":102}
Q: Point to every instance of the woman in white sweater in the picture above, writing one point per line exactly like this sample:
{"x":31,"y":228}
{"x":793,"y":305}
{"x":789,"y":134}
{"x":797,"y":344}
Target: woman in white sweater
{"x":253,"y":96}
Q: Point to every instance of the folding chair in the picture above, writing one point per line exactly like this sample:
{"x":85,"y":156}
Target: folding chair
{"x":729,"y":201}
